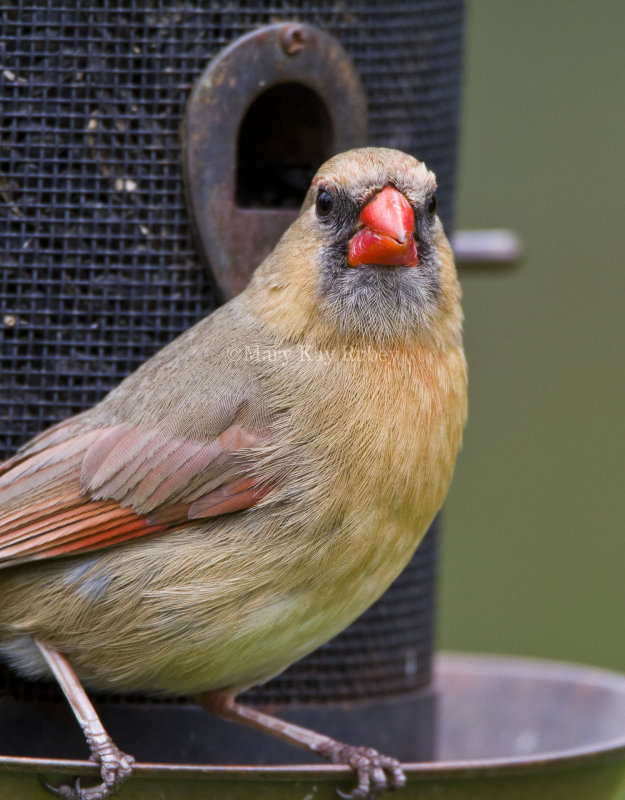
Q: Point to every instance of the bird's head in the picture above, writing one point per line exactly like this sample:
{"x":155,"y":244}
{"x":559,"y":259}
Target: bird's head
{"x":367,"y":259}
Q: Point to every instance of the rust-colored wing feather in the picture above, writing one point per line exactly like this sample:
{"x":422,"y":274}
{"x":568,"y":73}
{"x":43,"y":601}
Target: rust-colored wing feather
{"x":102,"y":487}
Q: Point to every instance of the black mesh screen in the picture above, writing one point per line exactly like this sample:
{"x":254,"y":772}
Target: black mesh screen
{"x":98,"y":270}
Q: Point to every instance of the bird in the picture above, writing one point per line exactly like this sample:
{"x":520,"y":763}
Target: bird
{"x":255,"y":485}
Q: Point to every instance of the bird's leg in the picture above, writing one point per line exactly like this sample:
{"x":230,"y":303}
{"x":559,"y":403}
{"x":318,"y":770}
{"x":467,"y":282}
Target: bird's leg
{"x":376,"y":773}
{"x":115,"y":766}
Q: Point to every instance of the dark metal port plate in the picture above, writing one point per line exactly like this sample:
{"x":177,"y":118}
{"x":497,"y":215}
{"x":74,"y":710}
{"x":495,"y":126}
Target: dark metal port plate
{"x":284,"y":97}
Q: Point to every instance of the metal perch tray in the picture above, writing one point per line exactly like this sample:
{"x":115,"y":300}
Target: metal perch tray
{"x":507,"y":729}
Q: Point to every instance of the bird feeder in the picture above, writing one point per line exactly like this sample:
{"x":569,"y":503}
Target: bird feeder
{"x":152,"y":154}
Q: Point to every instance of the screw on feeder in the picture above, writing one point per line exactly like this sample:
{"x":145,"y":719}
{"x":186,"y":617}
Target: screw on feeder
{"x":292,"y":39}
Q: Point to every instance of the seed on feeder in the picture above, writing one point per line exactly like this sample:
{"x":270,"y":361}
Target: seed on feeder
{"x":127,"y":185}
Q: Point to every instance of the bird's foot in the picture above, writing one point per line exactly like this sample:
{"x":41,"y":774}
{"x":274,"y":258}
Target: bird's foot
{"x":115,"y":767}
{"x":376,"y":773}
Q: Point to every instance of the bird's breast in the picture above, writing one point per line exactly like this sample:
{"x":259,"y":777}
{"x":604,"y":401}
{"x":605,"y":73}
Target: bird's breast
{"x":374,"y":447}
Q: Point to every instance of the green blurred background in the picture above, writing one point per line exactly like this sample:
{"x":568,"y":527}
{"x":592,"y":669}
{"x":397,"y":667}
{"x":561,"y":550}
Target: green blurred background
{"x":534,"y":535}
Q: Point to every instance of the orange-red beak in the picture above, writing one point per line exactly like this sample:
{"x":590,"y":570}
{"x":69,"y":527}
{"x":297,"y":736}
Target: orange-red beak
{"x":387,"y":236}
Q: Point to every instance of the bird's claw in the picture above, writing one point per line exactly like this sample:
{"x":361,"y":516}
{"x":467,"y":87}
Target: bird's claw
{"x":376,"y":773}
{"x":115,"y":767}
{"x":63,"y":790}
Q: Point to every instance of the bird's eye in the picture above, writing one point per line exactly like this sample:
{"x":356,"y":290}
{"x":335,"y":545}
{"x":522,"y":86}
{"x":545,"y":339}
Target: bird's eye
{"x":433,"y":205}
{"x":324,"y":203}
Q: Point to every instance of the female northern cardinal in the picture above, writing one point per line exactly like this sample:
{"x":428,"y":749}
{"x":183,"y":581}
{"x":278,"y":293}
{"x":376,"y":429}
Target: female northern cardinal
{"x":258,"y":483}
